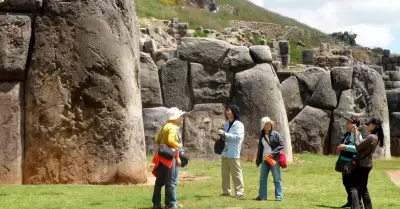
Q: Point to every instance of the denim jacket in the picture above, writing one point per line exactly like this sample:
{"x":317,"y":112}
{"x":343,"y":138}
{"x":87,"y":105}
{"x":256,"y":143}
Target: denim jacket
{"x":234,"y":139}
{"x":276,"y":142}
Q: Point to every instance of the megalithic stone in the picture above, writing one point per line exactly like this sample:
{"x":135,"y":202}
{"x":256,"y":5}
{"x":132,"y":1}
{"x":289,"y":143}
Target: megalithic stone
{"x":284,"y":47}
{"x":308,"y":56}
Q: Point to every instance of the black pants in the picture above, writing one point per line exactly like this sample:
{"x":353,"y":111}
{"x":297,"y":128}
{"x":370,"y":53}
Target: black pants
{"x":163,"y":178}
{"x":347,"y":183}
{"x":359,"y":188}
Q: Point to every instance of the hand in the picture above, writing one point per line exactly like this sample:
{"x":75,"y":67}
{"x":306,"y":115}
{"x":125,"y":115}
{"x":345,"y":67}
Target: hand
{"x":179,"y":163}
{"x":341,"y":147}
{"x":354,"y":129}
{"x":221,"y":132}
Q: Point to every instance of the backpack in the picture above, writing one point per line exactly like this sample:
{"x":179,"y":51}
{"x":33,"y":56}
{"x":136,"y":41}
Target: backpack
{"x":220,"y":144}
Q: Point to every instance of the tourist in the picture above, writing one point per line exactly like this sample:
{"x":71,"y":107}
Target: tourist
{"x":270,"y":144}
{"x":349,"y":140}
{"x":365,"y":149}
{"x":167,"y":175}
{"x":233,"y":134}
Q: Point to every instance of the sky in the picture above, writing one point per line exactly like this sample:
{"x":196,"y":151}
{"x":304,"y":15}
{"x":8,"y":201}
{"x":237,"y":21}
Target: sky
{"x":374,"y":21}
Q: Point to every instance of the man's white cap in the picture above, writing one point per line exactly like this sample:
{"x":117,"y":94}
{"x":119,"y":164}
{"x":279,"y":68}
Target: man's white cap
{"x":264,"y":120}
{"x":174,"y":113}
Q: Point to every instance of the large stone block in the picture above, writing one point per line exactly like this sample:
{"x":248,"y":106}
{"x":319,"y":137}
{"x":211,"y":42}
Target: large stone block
{"x":205,"y":51}
{"x":238,"y":59}
{"x":258,"y":94}
{"x":149,"y":82}
{"x":175,"y":84}
{"x":310,"y":78}
{"x":342,"y":78}
{"x":15,"y":35}
{"x":324,"y":97}
{"x":393,"y":100}
{"x":153,"y":120}
{"x":11,"y":132}
{"x":83,"y":106}
{"x":309,"y":130}
{"x":210,"y":84}
{"x":20,"y":5}
{"x":395,"y":146}
{"x":370,"y":101}
{"x":200,"y":130}
{"x":261,"y":54}
{"x":292,"y":97}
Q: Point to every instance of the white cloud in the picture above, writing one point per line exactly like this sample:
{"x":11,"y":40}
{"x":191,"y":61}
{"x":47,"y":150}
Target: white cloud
{"x":258,"y":2}
{"x":373,"y":20}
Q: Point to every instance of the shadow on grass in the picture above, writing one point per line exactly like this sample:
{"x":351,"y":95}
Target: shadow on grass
{"x":326,"y":206}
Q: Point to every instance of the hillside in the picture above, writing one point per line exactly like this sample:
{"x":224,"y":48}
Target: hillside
{"x":250,"y":15}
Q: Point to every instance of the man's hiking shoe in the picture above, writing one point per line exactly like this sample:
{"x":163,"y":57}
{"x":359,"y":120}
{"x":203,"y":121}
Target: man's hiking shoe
{"x":174,"y":206}
{"x":239,"y":196}
{"x":225,"y":195}
{"x":260,"y":199}
{"x":157,"y":207}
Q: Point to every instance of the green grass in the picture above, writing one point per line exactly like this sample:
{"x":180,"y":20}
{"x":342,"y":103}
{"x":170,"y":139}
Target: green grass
{"x":311,"y":184}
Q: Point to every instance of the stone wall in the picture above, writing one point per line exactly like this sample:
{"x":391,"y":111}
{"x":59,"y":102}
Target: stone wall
{"x":316,"y":101}
{"x":70,"y":100}
{"x":391,"y":75}
{"x":208,"y":75}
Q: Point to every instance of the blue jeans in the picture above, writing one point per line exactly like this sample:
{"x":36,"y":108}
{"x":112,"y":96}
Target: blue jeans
{"x":276,"y":174}
{"x":175,"y":176}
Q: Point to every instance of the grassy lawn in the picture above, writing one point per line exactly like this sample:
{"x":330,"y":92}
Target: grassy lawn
{"x":312,"y":183}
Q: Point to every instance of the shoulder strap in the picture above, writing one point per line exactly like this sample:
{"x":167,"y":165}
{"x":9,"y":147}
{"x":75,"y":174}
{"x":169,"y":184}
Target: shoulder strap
{"x":229,"y":128}
{"x":267,"y":141}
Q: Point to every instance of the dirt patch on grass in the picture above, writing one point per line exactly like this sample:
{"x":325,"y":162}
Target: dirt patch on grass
{"x":394,"y":176}
{"x":184,"y":177}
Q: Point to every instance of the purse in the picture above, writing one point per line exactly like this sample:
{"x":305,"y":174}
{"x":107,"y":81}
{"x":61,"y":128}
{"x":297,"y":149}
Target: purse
{"x":220,"y":144}
{"x":281,"y":157}
{"x":346,"y":167}
{"x":166,"y":152}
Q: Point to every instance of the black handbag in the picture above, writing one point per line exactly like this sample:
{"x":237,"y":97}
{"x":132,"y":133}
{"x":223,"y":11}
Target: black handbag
{"x":220,"y":144}
{"x":184,"y":160}
{"x":166,"y":152}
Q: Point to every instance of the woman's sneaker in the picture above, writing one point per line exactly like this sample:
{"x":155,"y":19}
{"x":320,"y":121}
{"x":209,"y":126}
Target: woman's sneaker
{"x":260,"y":199}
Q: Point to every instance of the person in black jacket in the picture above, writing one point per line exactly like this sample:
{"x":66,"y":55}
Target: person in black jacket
{"x":270,"y":143}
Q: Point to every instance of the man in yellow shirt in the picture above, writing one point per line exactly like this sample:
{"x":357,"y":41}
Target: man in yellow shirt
{"x":170,"y":135}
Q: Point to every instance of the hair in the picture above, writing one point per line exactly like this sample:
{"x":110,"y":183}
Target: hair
{"x":355,"y":120}
{"x":379,"y":131}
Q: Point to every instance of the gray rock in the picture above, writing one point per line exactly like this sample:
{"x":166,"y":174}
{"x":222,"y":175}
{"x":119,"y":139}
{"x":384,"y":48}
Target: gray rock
{"x":258,"y":95}
{"x":175,"y":20}
{"x":378,"y":69}
{"x":370,"y":99}
{"x":385,"y":60}
{"x":324,"y":97}
{"x":310,"y":78}
{"x":285,"y":60}
{"x":20,"y":5}
{"x":395,"y":124}
{"x":15,"y":35}
{"x":238,"y":59}
{"x":203,"y":50}
{"x":292,"y":97}
{"x":261,"y":54}
{"x":338,"y":122}
{"x":200,"y":130}
{"x":149,"y":82}
{"x":149,"y":46}
{"x":393,"y":98}
{"x":395,"y":146}
{"x":153,"y":120}
{"x":309,"y":130}
{"x":386,"y":53}
{"x":175,"y":85}
{"x":11,"y":134}
{"x":392,"y":84}
{"x":393,"y":75}
{"x":308,"y":56}
{"x":83,"y":96}
{"x":277,"y":66}
{"x":210,"y":84}
{"x":342,"y":78}
{"x":284,"y":47}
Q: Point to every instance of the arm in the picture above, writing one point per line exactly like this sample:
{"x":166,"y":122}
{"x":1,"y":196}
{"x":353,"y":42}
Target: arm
{"x":369,"y":140}
{"x":237,"y":133}
{"x":352,"y":147}
{"x":172,"y":139}
{"x":281,"y":145}
{"x":158,"y":138}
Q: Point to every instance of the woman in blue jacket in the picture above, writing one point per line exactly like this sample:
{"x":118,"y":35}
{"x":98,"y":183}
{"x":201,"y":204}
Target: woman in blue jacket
{"x":230,"y":166}
{"x":270,"y":143}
